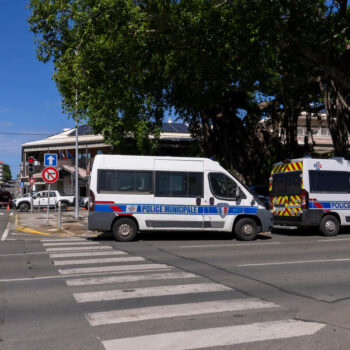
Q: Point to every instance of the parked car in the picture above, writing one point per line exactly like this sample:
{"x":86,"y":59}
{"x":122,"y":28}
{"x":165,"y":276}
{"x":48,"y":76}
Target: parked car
{"x":41,"y":198}
{"x":5,"y":199}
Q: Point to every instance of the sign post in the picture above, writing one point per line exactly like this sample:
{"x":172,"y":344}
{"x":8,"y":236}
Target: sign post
{"x":50,"y":175}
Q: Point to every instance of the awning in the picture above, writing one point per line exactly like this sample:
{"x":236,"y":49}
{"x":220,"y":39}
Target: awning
{"x":71,"y":169}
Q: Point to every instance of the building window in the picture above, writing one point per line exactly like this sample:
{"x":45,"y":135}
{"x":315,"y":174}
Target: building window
{"x":325,"y":132}
{"x":301,"y":131}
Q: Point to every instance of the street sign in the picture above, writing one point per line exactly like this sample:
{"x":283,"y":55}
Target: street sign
{"x":50,"y":175}
{"x":31,"y":181}
{"x":21,"y":184}
{"x":50,"y":159}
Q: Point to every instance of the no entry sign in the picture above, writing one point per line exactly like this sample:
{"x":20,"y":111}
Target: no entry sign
{"x":50,"y":175}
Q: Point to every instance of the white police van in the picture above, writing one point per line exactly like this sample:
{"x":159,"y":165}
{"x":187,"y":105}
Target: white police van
{"x":137,"y":193}
{"x":311,"y":192}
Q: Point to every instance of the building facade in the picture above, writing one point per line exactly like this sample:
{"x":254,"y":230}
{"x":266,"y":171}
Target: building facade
{"x":175,"y":140}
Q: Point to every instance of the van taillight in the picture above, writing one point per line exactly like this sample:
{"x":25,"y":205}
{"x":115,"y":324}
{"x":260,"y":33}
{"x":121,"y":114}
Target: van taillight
{"x":304,"y":199}
{"x":92,"y":201}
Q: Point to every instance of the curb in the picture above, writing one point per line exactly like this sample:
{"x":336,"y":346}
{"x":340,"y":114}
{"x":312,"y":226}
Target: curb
{"x":29,"y":230}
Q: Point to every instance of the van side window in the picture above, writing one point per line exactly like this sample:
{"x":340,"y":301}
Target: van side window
{"x":329,"y":181}
{"x":222,"y":186}
{"x":125,"y":181}
{"x":178,"y":184}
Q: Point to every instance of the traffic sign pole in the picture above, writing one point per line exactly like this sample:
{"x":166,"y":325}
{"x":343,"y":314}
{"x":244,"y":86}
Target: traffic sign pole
{"x":48,"y":205}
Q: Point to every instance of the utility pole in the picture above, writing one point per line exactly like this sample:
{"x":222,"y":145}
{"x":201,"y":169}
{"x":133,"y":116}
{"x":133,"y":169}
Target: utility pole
{"x":76,"y":158}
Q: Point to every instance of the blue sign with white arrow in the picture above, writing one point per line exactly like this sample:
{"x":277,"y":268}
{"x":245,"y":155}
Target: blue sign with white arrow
{"x":50,"y":159}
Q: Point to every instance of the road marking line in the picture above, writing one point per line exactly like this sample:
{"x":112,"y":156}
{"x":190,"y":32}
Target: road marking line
{"x":70,"y":249}
{"x":129,"y":278}
{"x":227,"y":245}
{"x":117,"y":268}
{"x":73,"y":255}
{"x":165,"y":311}
{"x":295,"y":262}
{"x":56,"y":244}
{"x":63,"y":240}
{"x":74,"y":275}
{"x":33,"y":253}
{"x":119,"y":294}
{"x":333,"y":240}
{"x":98,"y":261}
{"x":215,"y":337}
{"x":6,"y":232}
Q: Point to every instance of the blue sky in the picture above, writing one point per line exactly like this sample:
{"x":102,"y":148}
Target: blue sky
{"x":29,"y":100}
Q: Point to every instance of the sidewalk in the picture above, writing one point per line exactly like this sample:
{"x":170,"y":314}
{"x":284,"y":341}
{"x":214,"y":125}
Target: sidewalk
{"x":36,"y":223}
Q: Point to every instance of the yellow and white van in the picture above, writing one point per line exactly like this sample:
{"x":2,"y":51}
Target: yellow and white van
{"x":311,"y":192}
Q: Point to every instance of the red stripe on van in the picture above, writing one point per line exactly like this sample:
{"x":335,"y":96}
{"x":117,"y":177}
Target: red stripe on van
{"x":116,"y":208}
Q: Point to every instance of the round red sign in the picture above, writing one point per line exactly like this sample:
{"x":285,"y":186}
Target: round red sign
{"x":50,"y":175}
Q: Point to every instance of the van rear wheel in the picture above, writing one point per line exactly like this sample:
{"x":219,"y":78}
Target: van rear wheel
{"x":246,"y":229}
{"x":124,"y":230}
{"x":329,"y":226}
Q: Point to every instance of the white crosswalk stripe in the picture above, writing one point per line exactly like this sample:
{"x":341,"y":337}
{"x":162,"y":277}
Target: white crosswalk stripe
{"x":98,"y":261}
{"x":214,"y":337}
{"x":63,"y":240}
{"x":76,"y":255}
{"x":156,"y":312}
{"x":149,"y":292}
{"x":117,"y":268}
{"x":72,"y":249}
{"x":69,"y":244}
{"x":153,"y":278}
{"x":129,"y":278}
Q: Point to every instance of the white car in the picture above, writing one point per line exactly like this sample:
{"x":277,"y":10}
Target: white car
{"x":42,"y":199}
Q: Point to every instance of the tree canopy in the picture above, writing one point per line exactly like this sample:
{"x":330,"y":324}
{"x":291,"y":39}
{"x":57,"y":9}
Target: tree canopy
{"x":221,"y":65}
{"x":7,"y":172}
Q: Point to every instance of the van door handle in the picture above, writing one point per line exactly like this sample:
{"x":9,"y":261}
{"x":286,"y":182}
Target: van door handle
{"x":211,"y":200}
{"x":198,"y":200}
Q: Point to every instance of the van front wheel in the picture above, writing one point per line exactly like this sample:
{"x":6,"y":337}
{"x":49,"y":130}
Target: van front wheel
{"x":329,"y":225}
{"x":246,"y":229}
{"x":124,"y":230}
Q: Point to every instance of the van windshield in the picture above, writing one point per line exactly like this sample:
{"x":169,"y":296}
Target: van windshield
{"x":286,"y":183}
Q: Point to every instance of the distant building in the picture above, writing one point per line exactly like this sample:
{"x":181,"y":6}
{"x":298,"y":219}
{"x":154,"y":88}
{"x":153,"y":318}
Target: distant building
{"x":175,"y":140}
{"x":320,"y":133}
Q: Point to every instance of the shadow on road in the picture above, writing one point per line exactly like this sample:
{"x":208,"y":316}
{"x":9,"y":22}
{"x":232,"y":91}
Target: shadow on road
{"x":180,"y":236}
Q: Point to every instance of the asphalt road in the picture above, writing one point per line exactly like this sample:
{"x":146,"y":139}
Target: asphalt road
{"x":171,"y":291}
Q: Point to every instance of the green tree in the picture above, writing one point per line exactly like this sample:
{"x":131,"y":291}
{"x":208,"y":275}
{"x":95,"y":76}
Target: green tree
{"x":131,"y":61}
{"x":313,"y":43}
{"x":222,"y":65}
{"x":7,"y":172}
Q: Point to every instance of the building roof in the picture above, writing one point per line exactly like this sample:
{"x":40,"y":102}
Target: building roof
{"x":170,"y":131}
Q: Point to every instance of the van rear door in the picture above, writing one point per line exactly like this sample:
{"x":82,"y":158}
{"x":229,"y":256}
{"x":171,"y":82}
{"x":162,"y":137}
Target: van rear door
{"x":286,"y":185}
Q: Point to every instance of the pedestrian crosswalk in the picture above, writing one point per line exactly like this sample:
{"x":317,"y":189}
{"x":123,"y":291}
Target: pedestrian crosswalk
{"x":109,"y":282}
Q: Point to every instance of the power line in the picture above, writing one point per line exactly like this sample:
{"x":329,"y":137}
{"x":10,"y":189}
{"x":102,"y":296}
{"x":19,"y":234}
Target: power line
{"x":25,"y":133}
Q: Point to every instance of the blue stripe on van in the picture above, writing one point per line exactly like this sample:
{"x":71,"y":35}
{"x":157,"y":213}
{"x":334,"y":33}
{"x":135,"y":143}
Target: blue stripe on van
{"x":173,"y":209}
